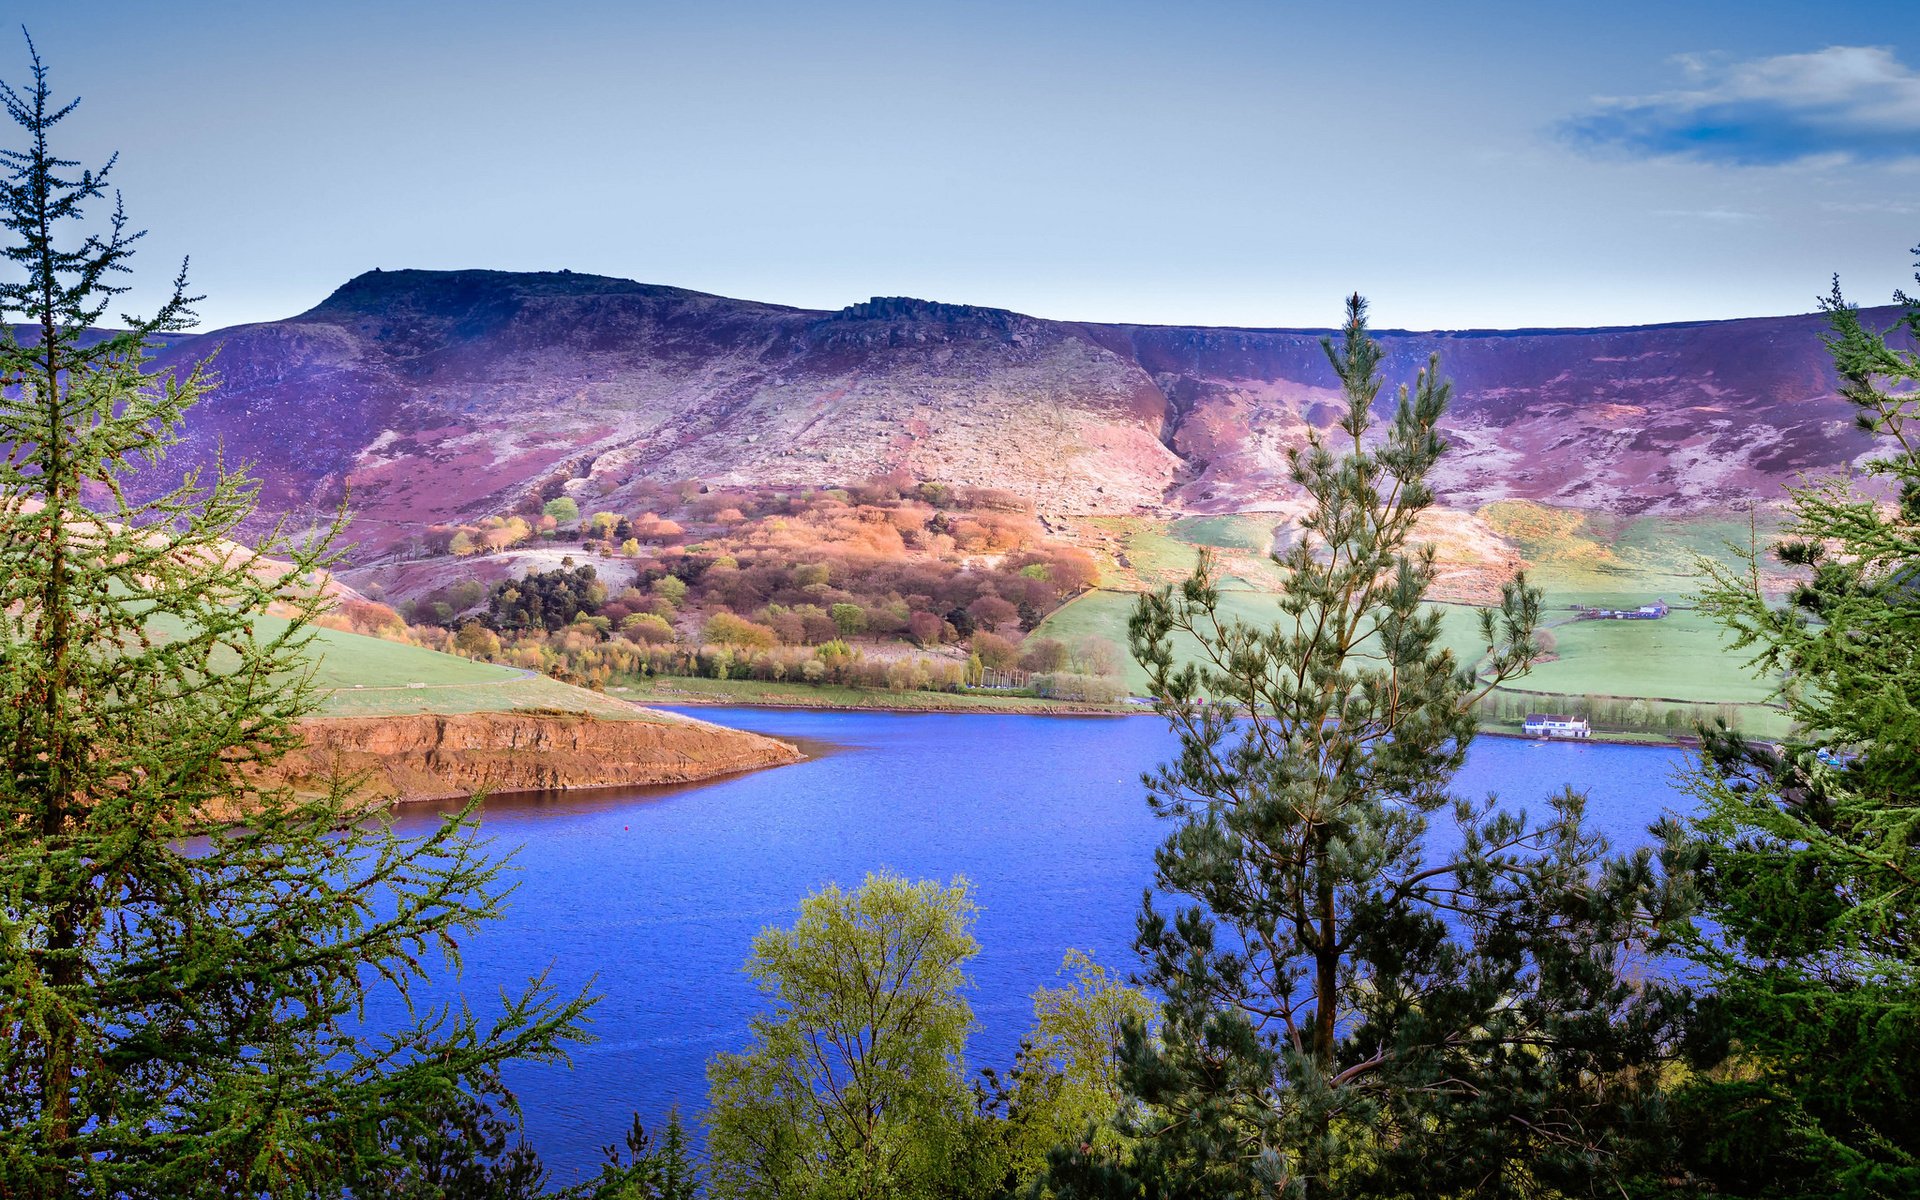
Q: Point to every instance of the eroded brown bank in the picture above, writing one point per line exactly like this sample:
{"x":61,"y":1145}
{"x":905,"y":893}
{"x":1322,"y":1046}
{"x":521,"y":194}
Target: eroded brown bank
{"x":431,"y":756}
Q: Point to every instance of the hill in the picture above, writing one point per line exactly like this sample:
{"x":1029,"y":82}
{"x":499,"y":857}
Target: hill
{"x":437,"y":397}
{"x":423,"y":725}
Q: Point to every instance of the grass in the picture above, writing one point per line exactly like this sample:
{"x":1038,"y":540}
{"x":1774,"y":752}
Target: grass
{"x":1682,"y":657}
{"x":1105,"y":614}
{"x":358,"y":676}
{"x":1577,"y":558}
{"x":1240,"y":531}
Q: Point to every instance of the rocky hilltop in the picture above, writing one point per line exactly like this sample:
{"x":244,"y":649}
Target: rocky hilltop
{"x":440,"y":396}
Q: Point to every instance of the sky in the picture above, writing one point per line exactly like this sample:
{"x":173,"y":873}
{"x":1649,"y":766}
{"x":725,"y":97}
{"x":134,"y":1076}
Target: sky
{"x":1464,"y":165}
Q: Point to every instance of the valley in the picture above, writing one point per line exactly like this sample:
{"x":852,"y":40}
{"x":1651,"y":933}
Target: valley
{"x":487,"y":427}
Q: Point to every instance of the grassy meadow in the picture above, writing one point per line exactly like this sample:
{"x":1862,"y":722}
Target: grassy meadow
{"x":1635,"y":678}
{"x":359,"y":676}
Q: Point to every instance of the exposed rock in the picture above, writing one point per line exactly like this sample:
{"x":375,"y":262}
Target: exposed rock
{"x":432,"y":757}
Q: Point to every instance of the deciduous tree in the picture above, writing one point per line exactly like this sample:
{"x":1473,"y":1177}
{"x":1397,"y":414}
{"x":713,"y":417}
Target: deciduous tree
{"x":853,"y":1086}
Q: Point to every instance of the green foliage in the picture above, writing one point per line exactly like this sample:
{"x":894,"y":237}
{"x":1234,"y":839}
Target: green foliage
{"x":1065,"y":1088}
{"x":476,"y":641}
{"x":853,"y":1084}
{"x":1809,"y":852}
{"x":562,"y":509}
{"x":811,"y":575}
{"x":600,"y":524}
{"x":728,"y":629}
{"x":548,"y":600}
{"x":1346,"y":1010}
{"x":648,"y":1170}
{"x":849,"y":619}
{"x":670,"y":588}
{"x":181,"y":995}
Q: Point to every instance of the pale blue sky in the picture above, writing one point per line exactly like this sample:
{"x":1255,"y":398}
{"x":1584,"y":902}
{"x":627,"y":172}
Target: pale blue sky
{"x":1469,"y":164}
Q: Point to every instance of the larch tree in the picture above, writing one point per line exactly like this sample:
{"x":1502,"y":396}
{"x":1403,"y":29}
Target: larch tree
{"x":1809,"y":851}
{"x":1381,"y":989}
{"x":180,"y":995}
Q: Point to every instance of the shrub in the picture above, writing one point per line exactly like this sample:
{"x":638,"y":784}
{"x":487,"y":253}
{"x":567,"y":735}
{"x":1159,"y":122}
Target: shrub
{"x":996,"y":653}
{"x":647,"y":629}
{"x":849,"y":619}
{"x":730,"y":629}
{"x":1092,"y":689}
{"x":1043,"y":654}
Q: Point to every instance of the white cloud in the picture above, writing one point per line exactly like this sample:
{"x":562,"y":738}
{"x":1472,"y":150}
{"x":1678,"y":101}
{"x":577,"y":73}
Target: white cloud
{"x":1840,"y":104}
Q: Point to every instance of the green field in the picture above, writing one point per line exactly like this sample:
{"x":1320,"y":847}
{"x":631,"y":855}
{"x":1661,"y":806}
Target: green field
{"x":359,"y":676}
{"x":1682,"y":657}
{"x":365,"y":677}
{"x":1241,"y":531}
{"x":1105,"y":613}
{"x":1681,"y":665}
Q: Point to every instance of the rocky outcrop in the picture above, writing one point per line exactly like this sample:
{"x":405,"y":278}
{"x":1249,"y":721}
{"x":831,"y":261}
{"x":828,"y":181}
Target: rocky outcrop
{"x":431,"y":757}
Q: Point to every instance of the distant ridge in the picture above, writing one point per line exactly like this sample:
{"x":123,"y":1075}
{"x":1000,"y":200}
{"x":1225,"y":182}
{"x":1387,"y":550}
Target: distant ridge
{"x":445,"y":395}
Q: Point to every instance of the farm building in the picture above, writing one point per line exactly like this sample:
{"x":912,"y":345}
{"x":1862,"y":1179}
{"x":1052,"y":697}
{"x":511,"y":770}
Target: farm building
{"x":1646,"y":612}
{"x":1553,"y":725}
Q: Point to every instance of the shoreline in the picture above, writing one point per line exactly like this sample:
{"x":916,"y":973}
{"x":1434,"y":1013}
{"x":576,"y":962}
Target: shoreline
{"x":435,"y":756}
{"x":1009,"y":708}
{"x":934,"y":705}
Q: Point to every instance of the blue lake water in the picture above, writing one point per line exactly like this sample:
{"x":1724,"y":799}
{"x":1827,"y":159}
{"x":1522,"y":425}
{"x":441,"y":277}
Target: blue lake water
{"x":653,"y":895}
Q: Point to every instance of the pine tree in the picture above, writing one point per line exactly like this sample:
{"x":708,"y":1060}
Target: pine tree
{"x":180,"y":994}
{"x":1350,"y":1009}
{"x":1809,"y":852}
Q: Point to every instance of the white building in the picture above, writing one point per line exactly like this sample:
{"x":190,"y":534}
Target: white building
{"x":1553,"y":725}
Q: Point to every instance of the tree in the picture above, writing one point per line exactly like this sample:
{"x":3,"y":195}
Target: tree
{"x":853,"y":1086}
{"x":1350,"y":1009}
{"x":730,"y":629}
{"x":562,"y":509}
{"x":477,"y":641}
{"x":179,"y":994}
{"x":1809,"y":852}
{"x":649,"y":1170}
{"x":849,"y":619}
{"x":1065,"y":1085}
{"x":1043,"y":654}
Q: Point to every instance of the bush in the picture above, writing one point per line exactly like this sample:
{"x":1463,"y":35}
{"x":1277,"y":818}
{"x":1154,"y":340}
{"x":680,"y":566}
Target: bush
{"x":849,"y":619}
{"x":730,"y":629}
{"x":647,"y":630}
{"x":1091,"y":689}
{"x":1043,"y":654}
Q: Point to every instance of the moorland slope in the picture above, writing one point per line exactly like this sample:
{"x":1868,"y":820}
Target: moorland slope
{"x":438,"y":397}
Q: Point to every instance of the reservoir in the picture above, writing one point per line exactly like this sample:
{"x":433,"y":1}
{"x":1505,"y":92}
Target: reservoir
{"x":651,"y":897}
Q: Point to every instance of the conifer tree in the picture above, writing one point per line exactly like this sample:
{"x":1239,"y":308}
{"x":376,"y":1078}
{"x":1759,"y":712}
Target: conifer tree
{"x":1809,"y":852}
{"x":1359,"y":1004}
{"x":179,"y":994}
